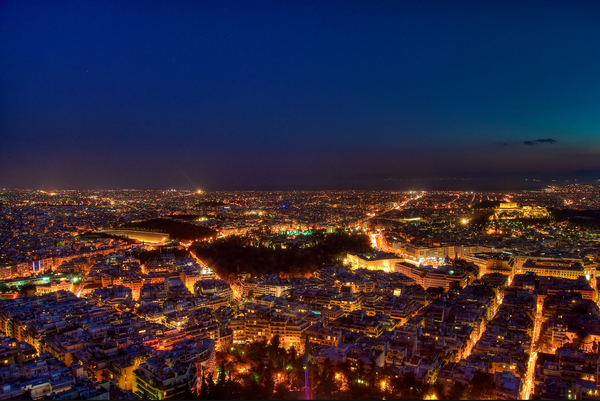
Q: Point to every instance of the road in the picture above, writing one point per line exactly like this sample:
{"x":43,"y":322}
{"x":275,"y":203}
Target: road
{"x":198,"y":260}
{"x":202,"y":264}
{"x":377,"y":240}
{"x":529,"y":378}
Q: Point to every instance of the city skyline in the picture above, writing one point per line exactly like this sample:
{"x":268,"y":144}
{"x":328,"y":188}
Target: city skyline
{"x":333,"y":95}
{"x":299,"y":200}
{"x":300,"y":295}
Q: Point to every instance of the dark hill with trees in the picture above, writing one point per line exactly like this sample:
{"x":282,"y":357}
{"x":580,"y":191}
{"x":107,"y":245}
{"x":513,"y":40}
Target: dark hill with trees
{"x":145,"y":256}
{"x":186,"y":216}
{"x":584,"y":218}
{"x":237,"y":254}
{"x":175,"y":229}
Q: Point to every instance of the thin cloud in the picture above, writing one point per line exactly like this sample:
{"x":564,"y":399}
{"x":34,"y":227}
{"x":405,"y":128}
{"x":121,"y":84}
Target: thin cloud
{"x":532,"y":143}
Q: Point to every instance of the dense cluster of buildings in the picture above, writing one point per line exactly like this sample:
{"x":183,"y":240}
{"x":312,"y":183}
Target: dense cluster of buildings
{"x":440,"y":298}
{"x":154,"y":345}
{"x":39,"y":230}
{"x":92,"y":343}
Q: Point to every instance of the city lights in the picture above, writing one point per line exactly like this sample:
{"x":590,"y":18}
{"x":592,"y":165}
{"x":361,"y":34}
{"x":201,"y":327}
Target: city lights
{"x":382,"y":200}
{"x":397,"y":285}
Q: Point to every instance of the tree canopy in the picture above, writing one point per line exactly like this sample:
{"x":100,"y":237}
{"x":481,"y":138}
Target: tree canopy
{"x":482,"y":387}
{"x":238,"y":254}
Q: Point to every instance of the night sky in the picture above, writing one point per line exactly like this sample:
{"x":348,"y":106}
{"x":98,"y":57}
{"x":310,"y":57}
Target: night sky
{"x":295,"y":95}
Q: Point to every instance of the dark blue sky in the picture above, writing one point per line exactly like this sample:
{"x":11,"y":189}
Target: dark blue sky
{"x":312,"y":94}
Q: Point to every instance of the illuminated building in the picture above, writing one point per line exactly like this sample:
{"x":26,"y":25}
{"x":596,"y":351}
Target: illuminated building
{"x":54,"y":286}
{"x":78,"y":265}
{"x":206,"y":330}
{"x":428,"y":276}
{"x":256,"y":327}
{"x":190,"y":278}
{"x":122,"y":374}
{"x":493,"y":262}
{"x":417,"y":253}
{"x":374,"y":261}
{"x":277,"y":326}
{"x":214,"y":302}
{"x":225,"y":339}
{"x":346,"y":302}
{"x":238,"y":326}
{"x":401,"y":313}
{"x":510,"y":210}
{"x":359,"y":322}
{"x":268,"y":285}
{"x":209,"y":288}
{"x":559,"y":268}
{"x":551,"y":286}
{"x":155,"y":380}
{"x":294,"y":332}
{"x":275,"y":289}
{"x":353,"y":284}
{"x":171,"y":375}
{"x":318,"y":334}
{"x":143,"y":236}
{"x":135,"y":284}
{"x":575,"y":370}
{"x":6,"y":272}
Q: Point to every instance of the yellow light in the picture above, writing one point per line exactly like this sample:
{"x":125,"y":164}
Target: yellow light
{"x":464,"y":221}
{"x":199,"y":191}
{"x":383,"y":385}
